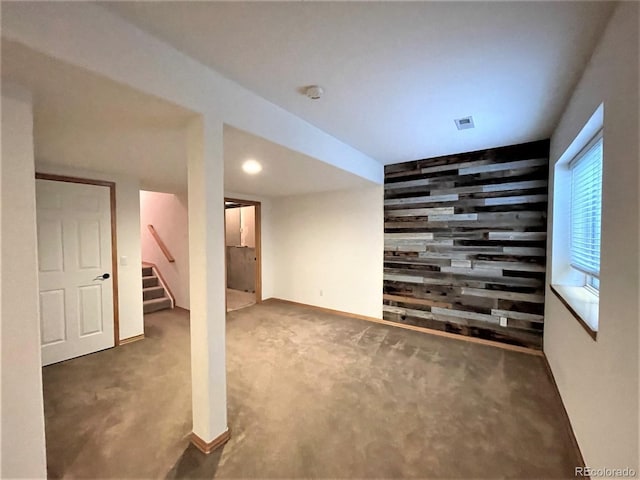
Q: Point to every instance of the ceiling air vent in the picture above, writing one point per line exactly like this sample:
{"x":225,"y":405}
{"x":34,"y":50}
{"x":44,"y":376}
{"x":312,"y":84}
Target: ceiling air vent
{"x":464,"y":123}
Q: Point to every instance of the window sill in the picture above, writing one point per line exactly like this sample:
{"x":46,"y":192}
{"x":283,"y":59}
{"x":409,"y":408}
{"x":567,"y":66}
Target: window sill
{"x":582,"y":304}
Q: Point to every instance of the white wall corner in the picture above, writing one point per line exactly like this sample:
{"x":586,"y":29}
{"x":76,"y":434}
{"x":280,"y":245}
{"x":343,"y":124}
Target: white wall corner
{"x":207,"y":279}
{"x":23,"y":438}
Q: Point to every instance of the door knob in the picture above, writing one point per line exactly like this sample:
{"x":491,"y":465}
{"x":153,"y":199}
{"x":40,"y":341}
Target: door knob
{"x":104,"y":276}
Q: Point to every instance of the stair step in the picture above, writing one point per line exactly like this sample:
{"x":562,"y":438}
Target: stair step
{"x":149,"y":281}
{"x":154,"y":296}
{"x":152,"y":292}
{"x":156,"y":304}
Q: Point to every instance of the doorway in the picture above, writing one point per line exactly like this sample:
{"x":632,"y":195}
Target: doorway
{"x":77,"y":271}
{"x":242,"y":253}
{"x":164,"y":249}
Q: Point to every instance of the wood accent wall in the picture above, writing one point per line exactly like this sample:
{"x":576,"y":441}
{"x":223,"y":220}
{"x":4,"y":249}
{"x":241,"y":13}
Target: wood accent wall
{"x":465,"y":243}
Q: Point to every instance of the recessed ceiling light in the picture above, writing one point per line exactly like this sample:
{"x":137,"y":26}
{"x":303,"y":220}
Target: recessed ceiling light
{"x":464,"y":123}
{"x":251,"y":167}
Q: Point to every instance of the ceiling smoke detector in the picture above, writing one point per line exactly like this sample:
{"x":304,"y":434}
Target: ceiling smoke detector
{"x":314,"y":92}
{"x":464,"y":123}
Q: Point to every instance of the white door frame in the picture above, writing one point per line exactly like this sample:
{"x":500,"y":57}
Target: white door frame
{"x":114,"y":249}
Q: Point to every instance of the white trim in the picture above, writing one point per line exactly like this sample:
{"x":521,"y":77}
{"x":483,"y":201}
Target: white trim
{"x":154,"y":269}
{"x":584,"y":303}
{"x":577,"y":158}
{"x":594,"y":125}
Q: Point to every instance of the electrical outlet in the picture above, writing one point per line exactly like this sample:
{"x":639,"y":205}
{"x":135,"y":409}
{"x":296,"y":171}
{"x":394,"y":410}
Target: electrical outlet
{"x":321,"y":293}
{"x":503,"y":321}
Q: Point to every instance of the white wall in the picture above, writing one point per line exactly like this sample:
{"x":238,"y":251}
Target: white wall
{"x":23,"y":447}
{"x":598,"y":380}
{"x":169,"y":215}
{"x":128,"y":243}
{"x":140,"y":152}
{"x":332,"y":243}
{"x":240,"y":227}
{"x":248,"y":227}
{"x":232,"y":227}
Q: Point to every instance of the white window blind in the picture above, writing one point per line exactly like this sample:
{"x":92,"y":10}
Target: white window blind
{"x":586,"y":202}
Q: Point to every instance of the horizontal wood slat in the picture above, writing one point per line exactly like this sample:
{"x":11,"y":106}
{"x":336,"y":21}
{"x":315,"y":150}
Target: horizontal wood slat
{"x":465,"y":243}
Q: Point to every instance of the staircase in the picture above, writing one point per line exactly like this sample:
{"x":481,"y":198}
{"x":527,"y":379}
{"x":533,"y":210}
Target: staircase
{"x":154,"y":296}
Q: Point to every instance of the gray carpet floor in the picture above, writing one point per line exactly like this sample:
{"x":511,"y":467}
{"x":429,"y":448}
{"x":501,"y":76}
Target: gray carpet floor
{"x":310,"y":395}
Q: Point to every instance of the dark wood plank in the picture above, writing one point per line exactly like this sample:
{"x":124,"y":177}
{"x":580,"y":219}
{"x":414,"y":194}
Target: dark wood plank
{"x":465,"y":243}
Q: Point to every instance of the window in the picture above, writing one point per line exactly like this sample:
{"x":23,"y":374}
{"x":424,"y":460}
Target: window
{"x":575,"y":230}
{"x":586,"y":201}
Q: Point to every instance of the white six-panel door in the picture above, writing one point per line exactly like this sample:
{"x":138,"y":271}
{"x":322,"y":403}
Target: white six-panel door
{"x":74,"y":251}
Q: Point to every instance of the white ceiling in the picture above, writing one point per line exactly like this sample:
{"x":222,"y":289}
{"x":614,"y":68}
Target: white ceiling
{"x":284,"y":172}
{"x":63,"y":91}
{"x":396,"y":74}
{"x":85,"y":121}
{"x":88,"y":122}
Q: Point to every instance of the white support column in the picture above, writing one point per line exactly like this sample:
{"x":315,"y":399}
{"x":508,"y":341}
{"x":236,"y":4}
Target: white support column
{"x":23,"y":442}
{"x":207,"y":283}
